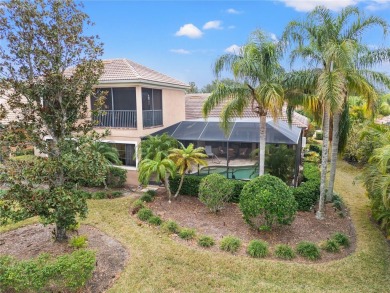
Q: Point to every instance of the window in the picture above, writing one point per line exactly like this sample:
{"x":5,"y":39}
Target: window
{"x":119,"y":109}
{"x":126,"y":153}
{"x":152,"y":107}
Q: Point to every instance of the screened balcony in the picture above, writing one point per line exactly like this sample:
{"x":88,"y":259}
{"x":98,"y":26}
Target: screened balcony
{"x":119,"y":109}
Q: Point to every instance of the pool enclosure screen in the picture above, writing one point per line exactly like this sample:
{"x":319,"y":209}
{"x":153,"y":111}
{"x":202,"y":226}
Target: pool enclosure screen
{"x":242,"y":137}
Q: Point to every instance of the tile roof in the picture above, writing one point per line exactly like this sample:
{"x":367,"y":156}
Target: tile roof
{"x":194,"y":103}
{"x":125,"y":70}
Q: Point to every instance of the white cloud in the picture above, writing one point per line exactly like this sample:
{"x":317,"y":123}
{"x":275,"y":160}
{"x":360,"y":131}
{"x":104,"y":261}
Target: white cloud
{"x":378,"y":5}
{"x":189,"y":30}
{"x":308,"y":5}
{"x":213,"y":24}
{"x":233,"y":49}
{"x":180,"y":51}
{"x":231,"y":27}
{"x":233,"y":11}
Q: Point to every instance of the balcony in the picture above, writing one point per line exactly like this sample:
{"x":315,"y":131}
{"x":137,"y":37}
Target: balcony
{"x":152,"y":118}
{"x":116,"y":118}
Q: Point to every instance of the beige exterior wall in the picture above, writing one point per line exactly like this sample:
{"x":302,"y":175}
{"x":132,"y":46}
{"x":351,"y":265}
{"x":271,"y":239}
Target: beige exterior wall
{"x":173,"y":104}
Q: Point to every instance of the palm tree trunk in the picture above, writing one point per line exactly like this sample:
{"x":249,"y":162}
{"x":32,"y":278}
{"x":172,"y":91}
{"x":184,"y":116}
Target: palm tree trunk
{"x":263,"y":127}
{"x":324,"y":163}
{"x":166,"y":183}
{"x":180,"y":185}
{"x":335,"y":150}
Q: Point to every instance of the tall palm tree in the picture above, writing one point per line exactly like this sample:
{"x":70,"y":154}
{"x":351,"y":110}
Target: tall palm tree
{"x":185,"y":158}
{"x":332,"y":45}
{"x":161,"y":167}
{"x":259,"y":73}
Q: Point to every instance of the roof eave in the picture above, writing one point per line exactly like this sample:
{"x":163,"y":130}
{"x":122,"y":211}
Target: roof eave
{"x":146,"y":82}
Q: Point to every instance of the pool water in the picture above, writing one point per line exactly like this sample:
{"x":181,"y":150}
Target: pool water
{"x":236,"y":172}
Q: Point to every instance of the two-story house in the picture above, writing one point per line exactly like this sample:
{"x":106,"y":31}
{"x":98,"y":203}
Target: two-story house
{"x":139,"y":101}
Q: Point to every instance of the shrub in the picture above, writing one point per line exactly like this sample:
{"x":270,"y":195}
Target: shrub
{"x":316,"y":148}
{"x":337,"y":202}
{"x":144,"y":214}
{"x":230,"y":244}
{"x":341,"y":239}
{"x":70,"y":272}
{"x":99,"y":195}
{"x":116,"y":194}
{"x":257,"y":248}
{"x":152,"y":193}
{"x":267,"y":200}
{"x":331,"y":245}
{"x":146,"y":197}
{"x":308,"y":250}
{"x":191,"y":186}
{"x":86,"y":194}
{"x":284,"y":251}
{"x":73,"y":227}
{"x":308,"y":192}
{"x":186,"y":233}
{"x":137,"y":205}
{"x":155,"y":220}
{"x":116,"y":177}
{"x":170,"y":227}
{"x":78,"y":242}
{"x":214,"y":191}
{"x":206,"y":241}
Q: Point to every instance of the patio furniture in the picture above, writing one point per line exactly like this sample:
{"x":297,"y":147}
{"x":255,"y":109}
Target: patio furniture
{"x":211,"y":155}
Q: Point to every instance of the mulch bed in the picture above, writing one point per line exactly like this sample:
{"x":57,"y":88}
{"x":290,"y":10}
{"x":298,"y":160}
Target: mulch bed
{"x":30,"y":241}
{"x":189,"y":212}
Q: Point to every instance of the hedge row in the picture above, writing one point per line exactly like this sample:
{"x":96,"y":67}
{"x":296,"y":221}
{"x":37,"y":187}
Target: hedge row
{"x":308,"y":192}
{"x":191,"y":186}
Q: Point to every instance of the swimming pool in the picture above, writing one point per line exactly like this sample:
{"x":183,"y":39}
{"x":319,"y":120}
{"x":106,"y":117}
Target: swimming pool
{"x":234,"y":172}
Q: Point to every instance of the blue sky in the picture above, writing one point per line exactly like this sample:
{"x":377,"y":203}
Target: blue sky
{"x":183,"y":38}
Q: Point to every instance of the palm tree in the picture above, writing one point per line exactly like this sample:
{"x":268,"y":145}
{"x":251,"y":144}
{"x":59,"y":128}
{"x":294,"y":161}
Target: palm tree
{"x":259,"y":73}
{"x":161,"y":167}
{"x":184,"y":158}
{"x":152,"y":145}
{"x":333,"y":43}
{"x":109,"y":152}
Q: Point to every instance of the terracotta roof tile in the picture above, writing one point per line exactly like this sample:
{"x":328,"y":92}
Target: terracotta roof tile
{"x":194,"y":103}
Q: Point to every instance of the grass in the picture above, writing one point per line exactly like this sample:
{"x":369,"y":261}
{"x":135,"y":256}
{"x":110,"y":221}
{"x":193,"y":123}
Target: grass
{"x":159,"y":264}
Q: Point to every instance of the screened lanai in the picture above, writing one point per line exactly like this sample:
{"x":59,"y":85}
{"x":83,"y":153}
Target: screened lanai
{"x":232,"y":152}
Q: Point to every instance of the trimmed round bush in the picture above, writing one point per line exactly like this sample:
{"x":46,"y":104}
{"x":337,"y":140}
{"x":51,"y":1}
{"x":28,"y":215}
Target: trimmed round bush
{"x":331,"y":245}
{"x":186,"y":233}
{"x":155,"y":220}
{"x":215,"y":190}
{"x":116,"y":194}
{"x":267,"y":200}
{"x":257,"y":248}
{"x":137,"y":205}
{"x":341,"y":239}
{"x":206,"y":241}
{"x":230,"y":244}
{"x":146,"y":197}
{"x":144,"y":214}
{"x":284,"y":251}
{"x":170,"y":227}
{"x":152,"y":193}
{"x":308,"y":250}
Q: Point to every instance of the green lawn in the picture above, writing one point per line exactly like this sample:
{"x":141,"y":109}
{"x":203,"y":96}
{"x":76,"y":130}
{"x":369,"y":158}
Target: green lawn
{"x":159,"y":264}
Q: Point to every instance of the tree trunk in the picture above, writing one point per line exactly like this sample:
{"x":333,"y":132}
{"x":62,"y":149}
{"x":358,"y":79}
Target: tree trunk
{"x":166,"y":183}
{"x":335,"y":150}
{"x":60,"y":233}
{"x":324,"y":163}
{"x":180,"y":185}
{"x":263,"y":127}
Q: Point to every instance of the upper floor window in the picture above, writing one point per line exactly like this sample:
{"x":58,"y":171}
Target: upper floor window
{"x":152,"y":107}
{"x":119,"y":109}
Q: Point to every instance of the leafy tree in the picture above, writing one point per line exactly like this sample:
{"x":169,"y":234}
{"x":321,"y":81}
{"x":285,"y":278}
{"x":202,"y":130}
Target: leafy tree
{"x":160,"y":167}
{"x":332,"y":44}
{"x":48,"y":70}
{"x":185,"y":158}
{"x":153,"y":145}
{"x":193,"y":88}
{"x":208,"y":88}
{"x":260,"y":74}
